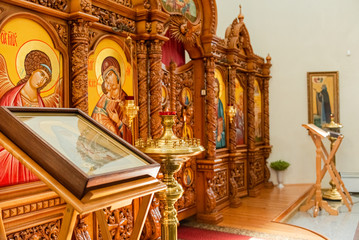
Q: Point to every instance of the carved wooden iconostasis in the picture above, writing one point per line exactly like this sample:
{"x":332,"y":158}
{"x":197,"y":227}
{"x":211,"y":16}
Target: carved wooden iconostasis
{"x":93,"y":55}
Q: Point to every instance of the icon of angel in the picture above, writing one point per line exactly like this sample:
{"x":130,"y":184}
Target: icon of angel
{"x":27,"y":91}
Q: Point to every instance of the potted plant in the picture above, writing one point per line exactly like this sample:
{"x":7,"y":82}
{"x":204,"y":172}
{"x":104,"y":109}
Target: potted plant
{"x":279,"y":166}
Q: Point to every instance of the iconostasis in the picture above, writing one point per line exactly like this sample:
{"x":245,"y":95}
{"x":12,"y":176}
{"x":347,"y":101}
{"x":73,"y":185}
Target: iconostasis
{"x":165,"y":55}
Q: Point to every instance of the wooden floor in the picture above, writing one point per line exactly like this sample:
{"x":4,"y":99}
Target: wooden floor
{"x":265,"y":212}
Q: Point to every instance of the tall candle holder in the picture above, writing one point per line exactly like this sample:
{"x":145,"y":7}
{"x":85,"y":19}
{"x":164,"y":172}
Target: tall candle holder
{"x":332,"y":194}
{"x":171,"y":152}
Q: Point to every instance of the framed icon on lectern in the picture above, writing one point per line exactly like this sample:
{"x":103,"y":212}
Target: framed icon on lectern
{"x":77,"y":151}
{"x":323,"y":97}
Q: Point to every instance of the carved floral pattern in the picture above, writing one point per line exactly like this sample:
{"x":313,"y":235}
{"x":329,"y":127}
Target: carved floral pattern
{"x":61,"y":31}
{"x":45,"y":231}
{"x":152,"y":227}
{"x":212,"y":105}
{"x":155,"y":54}
{"x":114,"y":20}
{"x":79,"y":61}
{"x":220,"y":182}
{"x":142,"y":89}
{"x":120,"y":222}
{"x":127,"y":3}
{"x":86,"y":6}
{"x":55,"y":4}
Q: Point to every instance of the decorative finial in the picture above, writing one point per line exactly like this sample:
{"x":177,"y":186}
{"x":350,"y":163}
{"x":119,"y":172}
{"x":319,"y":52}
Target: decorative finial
{"x":269,"y":58}
{"x":240,"y":16}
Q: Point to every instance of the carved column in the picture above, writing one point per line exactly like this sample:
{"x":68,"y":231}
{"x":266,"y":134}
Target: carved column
{"x":79,"y":60}
{"x":232,"y":99}
{"x":267,"y":148}
{"x":142,"y":89}
{"x":266,"y":110}
{"x":173,"y":84}
{"x":250,"y":111}
{"x":211,"y":105}
{"x":155,"y":55}
{"x":251,"y":130}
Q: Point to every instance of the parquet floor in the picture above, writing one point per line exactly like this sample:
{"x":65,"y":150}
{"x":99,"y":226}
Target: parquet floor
{"x":264,"y":212}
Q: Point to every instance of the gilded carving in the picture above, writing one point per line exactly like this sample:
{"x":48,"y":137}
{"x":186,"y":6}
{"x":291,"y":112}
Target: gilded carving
{"x":220,"y":184}
{"x":148,"y":27}
{"x":160,"y":28}
{"x":142,"y":89}
{"x":120,"y":222}
{"x":212,"y":105}
{"x":155,"y":55}
{"x":55,"y":4}
{"x":184,"y":31}
{"x":1,"y":10}
{"x":79,"y":61}
{"x":61,"y":31}
{"x":44,"y":231}
{"x":114,"y":20}
{"x":152,"y":227}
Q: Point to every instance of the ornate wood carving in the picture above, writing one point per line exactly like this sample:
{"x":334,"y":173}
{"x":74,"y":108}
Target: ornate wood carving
{"x":142,"y":89}
{"x":212,"y":105}
{"x":188,"y":198}
{"x":210,"y":204}
{"x":237,"y":181}
{"x":127,"y":3}
{"x":60,"y":5}
{"x":44,"y":231}
{"x":220,"y":184}
{"x":79,"y":62}
{"x":81,"y":229}
{"x":120,"y":222}
{"x":152,"y":227}
{"x":30,"y":208}
{"x":232,"y":99}
{"x":61,"y":30}
{"x":1,"y":10}
{"x":114,"y":20}
{"x":155,"y":55}
{"x":184,"y":31}
{"x":86,"y":6}
{"x":266,"y":110}
{"x":250,"y":111}
{"x":256,"y":169}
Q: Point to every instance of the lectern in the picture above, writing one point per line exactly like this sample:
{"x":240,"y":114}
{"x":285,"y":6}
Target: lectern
{"x":84,"y":163}
{"x":315,"y":195}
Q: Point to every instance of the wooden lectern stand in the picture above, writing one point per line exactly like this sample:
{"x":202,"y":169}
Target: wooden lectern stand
{"x":321,"y":153}
{"x":89,"y":167}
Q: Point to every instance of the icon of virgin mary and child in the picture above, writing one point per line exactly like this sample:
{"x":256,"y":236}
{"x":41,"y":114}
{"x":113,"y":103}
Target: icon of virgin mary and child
{"x":109,"y":110}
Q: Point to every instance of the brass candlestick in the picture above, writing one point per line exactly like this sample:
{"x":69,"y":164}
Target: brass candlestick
{"x":171,"y":152}
{"x":231,"y":112}
{"x":332,"y":194}
{"x":131,"y":110}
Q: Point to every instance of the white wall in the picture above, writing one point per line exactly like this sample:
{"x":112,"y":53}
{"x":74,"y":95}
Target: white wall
{"x":304,"y":36}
